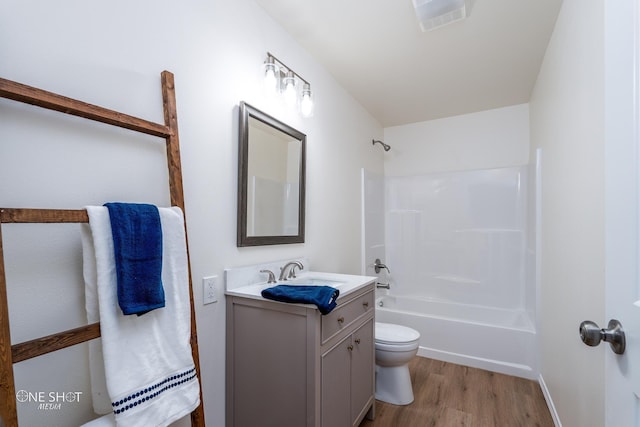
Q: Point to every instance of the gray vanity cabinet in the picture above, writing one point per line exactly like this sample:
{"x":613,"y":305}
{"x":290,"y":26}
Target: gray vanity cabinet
{"x":287,"y":365}
{"x":346,"y":378}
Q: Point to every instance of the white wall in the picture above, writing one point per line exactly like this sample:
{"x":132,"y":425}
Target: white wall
{"x":111,"y":54}
{"x":483,"y":140}
{"x":567,"y":123}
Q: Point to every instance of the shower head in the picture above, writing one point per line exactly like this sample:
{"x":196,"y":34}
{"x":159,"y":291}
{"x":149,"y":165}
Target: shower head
{"x":385,"y":146}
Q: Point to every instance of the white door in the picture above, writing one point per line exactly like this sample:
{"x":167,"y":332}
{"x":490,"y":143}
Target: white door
{"x":622,"y":48}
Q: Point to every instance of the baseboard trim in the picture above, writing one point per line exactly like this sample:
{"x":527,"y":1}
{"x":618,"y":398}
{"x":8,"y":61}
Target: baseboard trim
{"x":549,"y":400}
{"x":501,"y":367}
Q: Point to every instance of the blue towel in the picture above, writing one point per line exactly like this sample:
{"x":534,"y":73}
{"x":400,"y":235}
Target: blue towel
{"x":324,"y":297}
{"x":137,"y":243}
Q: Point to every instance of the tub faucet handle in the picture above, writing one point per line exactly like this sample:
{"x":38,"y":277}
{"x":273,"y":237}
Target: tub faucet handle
{"x":377,"y":265}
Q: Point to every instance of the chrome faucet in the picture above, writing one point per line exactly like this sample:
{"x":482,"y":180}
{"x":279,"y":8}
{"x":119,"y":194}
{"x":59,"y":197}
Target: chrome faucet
{"x":272,"y":277}
{"x":383,"y":285}
{"x":289,"y":270}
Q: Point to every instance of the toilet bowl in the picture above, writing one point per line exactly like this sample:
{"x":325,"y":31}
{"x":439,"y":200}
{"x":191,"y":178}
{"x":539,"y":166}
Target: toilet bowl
{"x":396,"y":345}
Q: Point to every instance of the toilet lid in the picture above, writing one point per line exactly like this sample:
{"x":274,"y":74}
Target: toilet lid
{"x":391,"y":333}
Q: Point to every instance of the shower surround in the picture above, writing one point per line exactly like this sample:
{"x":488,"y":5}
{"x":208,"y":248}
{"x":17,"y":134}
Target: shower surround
{"x":457,"y":247}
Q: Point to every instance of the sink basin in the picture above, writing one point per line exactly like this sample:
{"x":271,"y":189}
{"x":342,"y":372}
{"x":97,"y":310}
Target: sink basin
{"x":312,"y":281}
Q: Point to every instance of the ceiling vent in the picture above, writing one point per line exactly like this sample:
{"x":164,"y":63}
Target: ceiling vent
{"x":433,"y":14}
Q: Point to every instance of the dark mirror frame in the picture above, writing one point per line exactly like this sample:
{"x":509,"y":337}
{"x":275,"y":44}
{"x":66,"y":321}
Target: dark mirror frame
{"x":247,"y":112}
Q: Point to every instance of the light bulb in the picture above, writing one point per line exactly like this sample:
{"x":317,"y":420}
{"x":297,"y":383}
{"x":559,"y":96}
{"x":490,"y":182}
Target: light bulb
{"x":306,"y":104}
{"x":271,"y":77}
{"x":290,"y":89}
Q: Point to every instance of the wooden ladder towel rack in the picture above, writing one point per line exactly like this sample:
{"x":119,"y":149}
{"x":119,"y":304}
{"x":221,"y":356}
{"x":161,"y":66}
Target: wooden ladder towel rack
{"x":14,"y":353}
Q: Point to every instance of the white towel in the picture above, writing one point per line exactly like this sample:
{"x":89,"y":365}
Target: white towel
{"x":104,"y":421}
{"x":148,"y":365}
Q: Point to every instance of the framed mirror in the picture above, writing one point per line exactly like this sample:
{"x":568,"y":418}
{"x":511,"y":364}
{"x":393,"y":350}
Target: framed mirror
{"x":271,"y":180}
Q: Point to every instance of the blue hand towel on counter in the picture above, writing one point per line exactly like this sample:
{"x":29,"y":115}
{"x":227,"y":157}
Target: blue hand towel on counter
{"x":324,"y":297}
{"x":137,"y":244}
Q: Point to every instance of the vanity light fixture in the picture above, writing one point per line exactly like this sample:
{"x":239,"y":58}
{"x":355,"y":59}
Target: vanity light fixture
{"x":279,"y":78}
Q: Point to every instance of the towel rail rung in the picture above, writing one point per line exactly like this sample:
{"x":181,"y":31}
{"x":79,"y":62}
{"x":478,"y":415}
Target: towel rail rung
{"x":50,"y":343}
{"x":42,"y":215}
{"x":52,"y":101}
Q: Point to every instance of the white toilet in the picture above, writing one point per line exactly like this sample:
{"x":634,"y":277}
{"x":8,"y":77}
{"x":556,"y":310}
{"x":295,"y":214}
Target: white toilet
{"x":396,"y":345}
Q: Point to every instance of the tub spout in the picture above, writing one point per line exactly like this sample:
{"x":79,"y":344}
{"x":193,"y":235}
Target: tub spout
{"x":383,"y":285}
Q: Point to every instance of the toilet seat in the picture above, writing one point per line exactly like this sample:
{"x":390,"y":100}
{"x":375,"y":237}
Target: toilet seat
{"x":389,"y":334}
{"x":395,"y":347}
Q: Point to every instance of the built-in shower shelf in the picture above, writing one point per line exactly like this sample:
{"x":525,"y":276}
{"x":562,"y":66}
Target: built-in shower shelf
{"x":401,"y":211}
{"x":489,"y":230}
{"x":458,"y":279}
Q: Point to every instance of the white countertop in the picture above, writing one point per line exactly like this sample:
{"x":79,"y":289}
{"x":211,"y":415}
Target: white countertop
{"x":345,"y":283}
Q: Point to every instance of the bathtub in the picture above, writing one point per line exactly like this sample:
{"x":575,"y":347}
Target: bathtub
{"x":494,"y":339}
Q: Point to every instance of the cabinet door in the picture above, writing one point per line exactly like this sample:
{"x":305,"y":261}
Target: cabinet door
{"x":336,"y":385}
{"x":269,"y":374}
{"x":362,"y":370}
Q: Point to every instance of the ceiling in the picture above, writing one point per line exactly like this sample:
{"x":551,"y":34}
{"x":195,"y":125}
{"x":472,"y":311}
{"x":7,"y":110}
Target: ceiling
{"x":376,"y":50}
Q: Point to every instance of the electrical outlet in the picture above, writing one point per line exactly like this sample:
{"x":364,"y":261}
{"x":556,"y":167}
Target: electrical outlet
{"x":209,"y":289}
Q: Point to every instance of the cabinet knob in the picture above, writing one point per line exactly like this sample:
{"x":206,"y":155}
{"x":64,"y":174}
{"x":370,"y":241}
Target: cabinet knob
{"x":366,"y":304}
{"x":350,"y":347}
{"x":357,"y":340}
{"x":340,"y":319}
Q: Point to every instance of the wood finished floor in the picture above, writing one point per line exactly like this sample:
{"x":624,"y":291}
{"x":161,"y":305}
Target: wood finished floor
{"x":447,"y":395}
